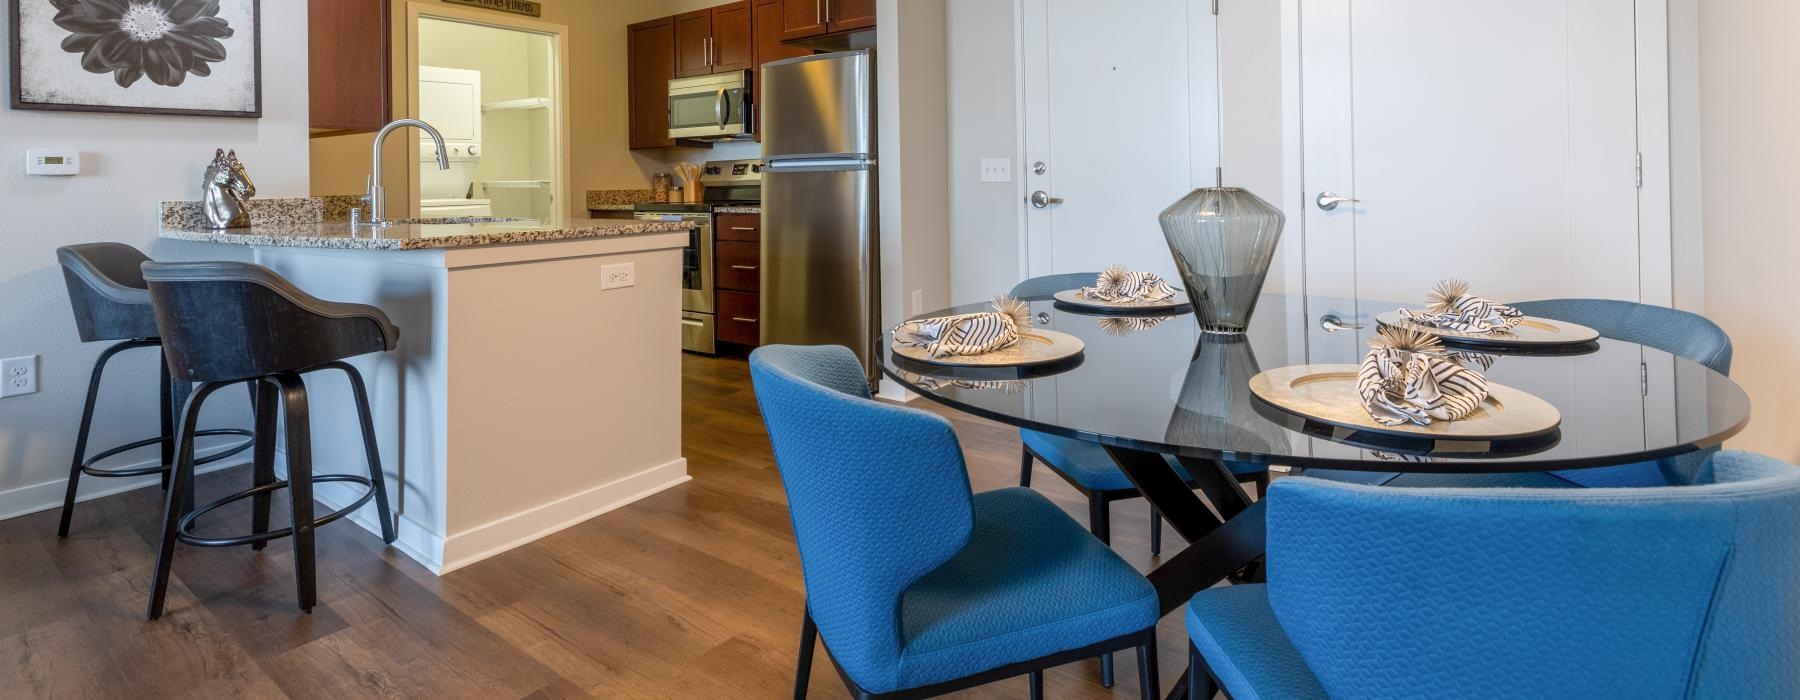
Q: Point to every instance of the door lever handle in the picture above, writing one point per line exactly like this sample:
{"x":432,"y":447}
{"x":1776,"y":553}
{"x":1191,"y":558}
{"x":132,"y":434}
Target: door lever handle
{"x":1329,"y":201}
{"x":1041,"y":199}
{"x":1332,"y":324}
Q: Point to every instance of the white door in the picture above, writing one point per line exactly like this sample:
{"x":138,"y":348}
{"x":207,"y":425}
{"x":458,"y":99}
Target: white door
{"x":1495,"y":142}
{"x":1121,"y":110}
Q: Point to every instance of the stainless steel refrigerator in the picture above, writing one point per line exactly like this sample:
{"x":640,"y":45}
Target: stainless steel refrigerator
{"x":820,"y":245}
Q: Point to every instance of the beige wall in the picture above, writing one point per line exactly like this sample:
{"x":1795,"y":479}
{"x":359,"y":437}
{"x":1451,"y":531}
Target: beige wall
{"x":913,"y":126}
{"x":1752,"y":229}
{"x":599,"y":153}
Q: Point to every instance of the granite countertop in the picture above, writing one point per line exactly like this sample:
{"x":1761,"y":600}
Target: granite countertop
{"x":321,"y":222}
{"x":611,"y":207}
{"x":413,"y":235}
{"x":737,"y":210}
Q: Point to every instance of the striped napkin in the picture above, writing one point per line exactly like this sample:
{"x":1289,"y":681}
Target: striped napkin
{"x":1119,"y":285}
{"x":1407,"y":378}
{"x":1127,"y":325}
{"x":968,"y":334}
{"x":1453,"y":308}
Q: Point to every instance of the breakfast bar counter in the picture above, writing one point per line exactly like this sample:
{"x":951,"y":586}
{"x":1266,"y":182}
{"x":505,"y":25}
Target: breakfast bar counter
{"x":537,"y":380}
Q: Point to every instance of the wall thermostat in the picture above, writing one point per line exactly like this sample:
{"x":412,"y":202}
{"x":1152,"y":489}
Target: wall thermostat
{"x":52,"y":162}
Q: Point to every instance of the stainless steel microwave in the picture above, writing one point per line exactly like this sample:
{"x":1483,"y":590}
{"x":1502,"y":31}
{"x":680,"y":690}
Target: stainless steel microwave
{"x":710,"y":106}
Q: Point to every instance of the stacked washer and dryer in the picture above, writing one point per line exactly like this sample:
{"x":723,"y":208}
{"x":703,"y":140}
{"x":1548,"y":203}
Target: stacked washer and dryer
{"x":450,"y":99}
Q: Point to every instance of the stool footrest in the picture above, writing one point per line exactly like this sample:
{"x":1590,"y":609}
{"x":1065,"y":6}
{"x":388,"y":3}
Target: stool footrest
{"x":187,"y":521}
{"x":88,"y":468}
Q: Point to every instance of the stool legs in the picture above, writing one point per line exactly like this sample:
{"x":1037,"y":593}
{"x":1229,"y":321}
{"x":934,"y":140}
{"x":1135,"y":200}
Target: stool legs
{"x":378,"y":481}
{"x":300,"y":491}
{"x":181,"y":481}
{"x":87,"y":422}
{"x":263,"y":398}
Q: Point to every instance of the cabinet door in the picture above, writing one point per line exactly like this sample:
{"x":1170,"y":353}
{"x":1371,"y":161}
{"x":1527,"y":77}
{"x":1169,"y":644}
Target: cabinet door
{"x":732,"y":47}
{"x":652,"y":58}
{"x":693,"y":43}
{"x":802,"y":18}
{"x":847,"y":15}
{"x":767,"y":17}
{"x":348,"y":76}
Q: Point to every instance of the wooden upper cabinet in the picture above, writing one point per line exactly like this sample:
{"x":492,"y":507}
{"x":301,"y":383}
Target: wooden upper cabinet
{"x":349,"y":82}
{"x":732,"y":45}
{"x":850,"y":15}
{"x":802,"y":19}
{"x":767,"y":16}
{"x":652,"y":63}
{"x":693,"y":43}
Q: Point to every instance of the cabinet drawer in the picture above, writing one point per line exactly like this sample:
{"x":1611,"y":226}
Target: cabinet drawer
{"x":738,"y":266}
{"x":739,"y":227}
{"x":737,"y":318}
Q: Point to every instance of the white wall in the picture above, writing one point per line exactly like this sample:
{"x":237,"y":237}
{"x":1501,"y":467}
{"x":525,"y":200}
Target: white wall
{"x":129,"y":164}
{"x":986,"y":219}
{"x":1751,"y":246}
{"x":913,"y":130}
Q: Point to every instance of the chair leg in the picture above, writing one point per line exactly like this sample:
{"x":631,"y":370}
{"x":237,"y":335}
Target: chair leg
{"x":1199,"y":677}
{"x":299,"y":462}
{"x":181,"y":481}
{"x":1149,"y":686}
{"x":263,"y":399}
{"x":1100,"y":523}
{"x":81,"y":439}
{"x":377,"y":478}
{"x":809,"y":636}
{"x":1037,"y":684}
{"x":1155,"y":531}
{"x":1024,"y":466}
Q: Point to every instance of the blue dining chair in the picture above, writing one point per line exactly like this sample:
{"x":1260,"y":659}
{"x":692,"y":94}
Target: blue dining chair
{"x":1085,"y":465}
{"x":1679,"y":333}
{"x":1675,"y":591}
{"x":916,"y":586}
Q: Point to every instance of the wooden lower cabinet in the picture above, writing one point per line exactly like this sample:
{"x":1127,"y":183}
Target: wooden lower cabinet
{"x":737,"y":320}
{"x":737,"y":267}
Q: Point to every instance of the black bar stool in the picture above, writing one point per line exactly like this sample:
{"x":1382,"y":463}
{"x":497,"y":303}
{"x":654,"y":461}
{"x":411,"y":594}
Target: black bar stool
{"x":229,"y":322}
{"x":107,"y":294}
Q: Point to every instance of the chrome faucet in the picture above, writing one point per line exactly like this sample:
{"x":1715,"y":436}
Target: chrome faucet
{"x":376,"y":198}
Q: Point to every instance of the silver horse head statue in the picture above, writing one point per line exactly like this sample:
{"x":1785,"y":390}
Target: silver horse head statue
{"x":228,"y":190}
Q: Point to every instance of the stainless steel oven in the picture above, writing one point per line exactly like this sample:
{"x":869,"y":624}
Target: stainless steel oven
{"x":726,"y":183}
{"x":710,"y":106}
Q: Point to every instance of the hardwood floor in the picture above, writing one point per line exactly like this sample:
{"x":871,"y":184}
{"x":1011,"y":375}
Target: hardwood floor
{"x":693,"y":592}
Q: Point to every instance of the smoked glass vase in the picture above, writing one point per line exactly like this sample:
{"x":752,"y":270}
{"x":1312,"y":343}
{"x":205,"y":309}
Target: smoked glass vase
{"x":1223,"y":240}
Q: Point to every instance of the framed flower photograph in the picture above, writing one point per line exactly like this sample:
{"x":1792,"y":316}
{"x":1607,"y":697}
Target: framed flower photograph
{"x":189,"y":57}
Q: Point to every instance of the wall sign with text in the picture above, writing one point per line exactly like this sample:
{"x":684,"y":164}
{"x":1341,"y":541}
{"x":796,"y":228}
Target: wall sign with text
{"x":517,"y":7}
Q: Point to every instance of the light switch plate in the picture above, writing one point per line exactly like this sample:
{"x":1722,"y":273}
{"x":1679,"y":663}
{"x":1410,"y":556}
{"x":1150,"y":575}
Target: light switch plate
{"x":996,"y":170}
{"x":618,"y":275}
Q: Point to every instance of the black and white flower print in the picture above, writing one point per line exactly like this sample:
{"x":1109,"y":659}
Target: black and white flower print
{"x":164,"y":40}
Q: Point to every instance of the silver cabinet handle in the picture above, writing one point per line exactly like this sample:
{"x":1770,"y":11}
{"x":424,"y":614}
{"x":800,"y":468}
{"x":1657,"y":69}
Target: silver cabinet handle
{"x":743,"y":228}
{"x":1332,"y":324}
{"x":743,"y":267}
{"x":1041,"y":199}
{"x":819,"y":12}
{"x":1329,"y":201}
{"x":827,"y":5}
{"x":745,"y":320}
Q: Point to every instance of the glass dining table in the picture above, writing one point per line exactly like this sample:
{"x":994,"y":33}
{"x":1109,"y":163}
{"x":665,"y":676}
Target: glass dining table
{"x":1144,"y":386}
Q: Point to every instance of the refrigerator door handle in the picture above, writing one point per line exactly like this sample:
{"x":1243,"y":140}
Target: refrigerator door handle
{"x":816,"y":163}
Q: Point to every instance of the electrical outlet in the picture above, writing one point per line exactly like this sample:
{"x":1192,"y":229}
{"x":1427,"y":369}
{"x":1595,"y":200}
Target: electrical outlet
{"x":996,"y":170}
{"x":18,"y":375}
{"x":620,"y":275}
{"x":918,"y":301}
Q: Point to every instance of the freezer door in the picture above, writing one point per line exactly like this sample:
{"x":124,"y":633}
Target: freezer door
{"x":816,"y":105}
{"x":818,"y":254}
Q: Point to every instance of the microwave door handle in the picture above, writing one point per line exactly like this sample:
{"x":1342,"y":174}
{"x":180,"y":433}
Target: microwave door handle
{"x":719,"y":108}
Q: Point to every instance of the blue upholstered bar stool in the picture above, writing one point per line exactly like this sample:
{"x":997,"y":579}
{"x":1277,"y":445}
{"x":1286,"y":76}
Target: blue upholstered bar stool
{"x":917,"y":586}
{"x":111,"y":303}
{"x":1679,"y":333}
{"x":224,"y":323}
{"x":1659,"y":592}
{"x":1085,"y":465}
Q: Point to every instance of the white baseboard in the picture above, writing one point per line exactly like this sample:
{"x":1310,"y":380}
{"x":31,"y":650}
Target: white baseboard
{"x":443,"y":555}
{"x":892,"y":391}
{"x":25,"y":500}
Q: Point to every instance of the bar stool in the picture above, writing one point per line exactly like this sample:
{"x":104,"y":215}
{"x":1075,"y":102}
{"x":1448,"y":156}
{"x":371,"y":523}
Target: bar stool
{"x":107,"y":294}
{"x":229,"y":322}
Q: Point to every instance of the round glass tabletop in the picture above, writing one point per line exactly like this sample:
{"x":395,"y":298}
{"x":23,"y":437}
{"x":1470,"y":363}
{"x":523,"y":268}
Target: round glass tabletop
{"x":1157,"y":383}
